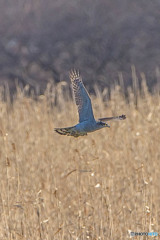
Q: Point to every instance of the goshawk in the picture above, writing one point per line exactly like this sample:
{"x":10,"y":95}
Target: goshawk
{"x":87,"y":122}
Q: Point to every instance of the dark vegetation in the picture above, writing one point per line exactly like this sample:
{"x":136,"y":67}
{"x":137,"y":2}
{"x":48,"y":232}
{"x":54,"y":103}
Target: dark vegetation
{"x":42,"y":40}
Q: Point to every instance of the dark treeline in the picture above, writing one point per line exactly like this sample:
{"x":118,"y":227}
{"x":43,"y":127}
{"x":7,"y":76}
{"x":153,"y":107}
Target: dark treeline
{"x":42,"y":40}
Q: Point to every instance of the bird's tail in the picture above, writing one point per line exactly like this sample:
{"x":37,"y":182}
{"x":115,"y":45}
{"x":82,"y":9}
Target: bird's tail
{"x":70,"y":131}
{"x":65,"y":131}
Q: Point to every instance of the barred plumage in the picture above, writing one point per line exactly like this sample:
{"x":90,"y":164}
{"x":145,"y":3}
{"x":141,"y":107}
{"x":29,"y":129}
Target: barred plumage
{"x":70,"y":131}
{"x":81,"y":96}
{"x":87,"y":123}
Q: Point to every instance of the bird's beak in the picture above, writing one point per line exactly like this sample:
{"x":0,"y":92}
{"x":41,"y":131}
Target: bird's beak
{"x":107,"y":125}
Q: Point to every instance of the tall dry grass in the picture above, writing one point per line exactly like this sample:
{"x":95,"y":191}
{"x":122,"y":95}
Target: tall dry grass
{"x":100,"y":186}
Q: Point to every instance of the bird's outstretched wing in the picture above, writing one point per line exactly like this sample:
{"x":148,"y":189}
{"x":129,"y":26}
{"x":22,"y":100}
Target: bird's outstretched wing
{"x":122,"y":117}
{"x":82,"y":98}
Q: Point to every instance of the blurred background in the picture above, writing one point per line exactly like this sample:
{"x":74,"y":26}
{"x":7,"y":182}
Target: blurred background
{"x":104,"y":185}
{"x":42,"y":40}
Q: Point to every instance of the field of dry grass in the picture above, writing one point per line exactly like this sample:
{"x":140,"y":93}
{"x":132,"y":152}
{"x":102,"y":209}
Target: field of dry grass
{"x":100,"y":186}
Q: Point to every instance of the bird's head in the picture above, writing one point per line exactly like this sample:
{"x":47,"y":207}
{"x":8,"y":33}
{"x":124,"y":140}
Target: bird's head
{"x":103,"y":124}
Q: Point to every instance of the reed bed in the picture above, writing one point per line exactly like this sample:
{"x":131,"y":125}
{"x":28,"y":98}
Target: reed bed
{"x":101,"y":186}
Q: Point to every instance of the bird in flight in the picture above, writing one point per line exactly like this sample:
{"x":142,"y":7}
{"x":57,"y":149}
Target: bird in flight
{"x":87,"y":122}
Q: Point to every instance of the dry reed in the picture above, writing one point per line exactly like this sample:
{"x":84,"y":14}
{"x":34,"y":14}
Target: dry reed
{"x":100,"y":186}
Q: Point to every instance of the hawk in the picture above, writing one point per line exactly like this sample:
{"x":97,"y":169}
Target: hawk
{"x":87,"y":122}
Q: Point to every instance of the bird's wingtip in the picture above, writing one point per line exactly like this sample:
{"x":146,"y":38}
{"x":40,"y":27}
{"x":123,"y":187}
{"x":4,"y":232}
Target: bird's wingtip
{"x":74,"y":73}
